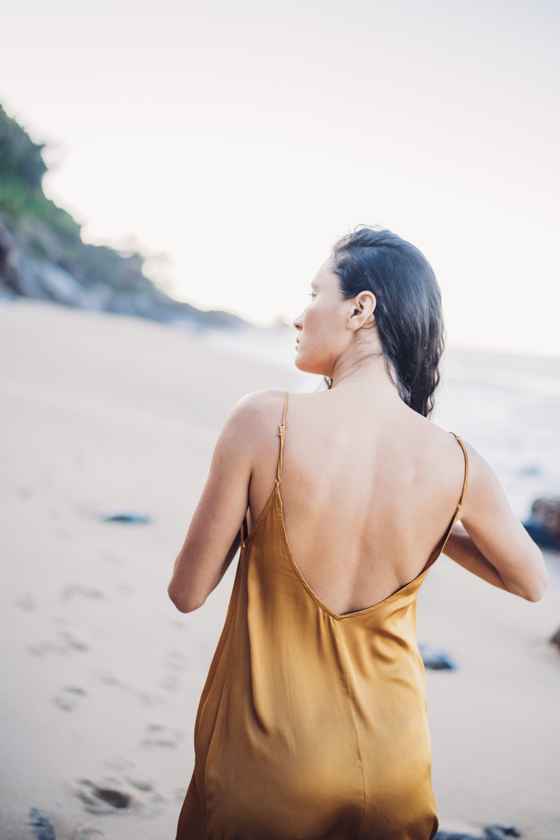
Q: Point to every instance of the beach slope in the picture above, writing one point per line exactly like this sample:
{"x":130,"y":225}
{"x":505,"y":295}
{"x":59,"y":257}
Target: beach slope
{"x":101,"y":675}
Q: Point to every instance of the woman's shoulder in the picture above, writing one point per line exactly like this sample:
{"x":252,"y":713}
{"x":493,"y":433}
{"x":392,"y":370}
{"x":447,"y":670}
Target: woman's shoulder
{"x":259,"y":405}
{"x":452,"y":441}
{"x":255,"y":415}
{"x":432,"y":436}
{"x":248,"y":432}
{"x":450,"y":448}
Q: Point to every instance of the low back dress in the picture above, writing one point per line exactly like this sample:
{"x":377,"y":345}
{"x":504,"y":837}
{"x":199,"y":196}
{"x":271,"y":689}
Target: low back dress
{"x":311,"y":725}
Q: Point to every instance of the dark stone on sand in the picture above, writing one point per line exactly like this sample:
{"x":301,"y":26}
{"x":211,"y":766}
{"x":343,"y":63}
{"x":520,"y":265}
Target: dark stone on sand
{"x":491,"y":832}
{"x":543,"y":525}
{"x":41,"y":826}
{"x":454,"y":835}
{"x":436,"y":659}
{"x":555,"y":639}
{"x":529,"y":471}
{"x":130,"y":517}
{"x":540,"y":534}
{"x":500,"y":832}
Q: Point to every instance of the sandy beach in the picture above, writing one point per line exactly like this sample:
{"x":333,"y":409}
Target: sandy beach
{"x":101,"y":676}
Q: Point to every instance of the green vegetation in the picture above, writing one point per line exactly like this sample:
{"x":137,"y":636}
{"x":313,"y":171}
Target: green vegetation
{"x":20,"y":158}
{"x":42,"y":254}
{"x":46,"y":232}
{"x":21,"y":173}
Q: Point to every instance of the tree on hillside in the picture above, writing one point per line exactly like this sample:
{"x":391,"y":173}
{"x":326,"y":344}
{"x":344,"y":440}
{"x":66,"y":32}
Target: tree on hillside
{"x":20,"y":157}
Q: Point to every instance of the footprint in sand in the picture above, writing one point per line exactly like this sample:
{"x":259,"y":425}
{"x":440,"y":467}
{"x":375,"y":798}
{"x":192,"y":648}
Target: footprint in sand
{"x":111,"y":558}
{"x":69,"y":698}
{"x":176,"y":660}
{"x":107,"y":797}
{"x":175,"y":663}
{"x":74,"y":589}
{"x":161,"y":736}
{"x":118,"y":795}
{"x":171,"y":683}
{"x":65,"y":644}
{"x":179,"y":794}
{"x":176,"y":625}
{"x":151,"y":699}
{"x":140,"y":783}
{"x":107,"y":678}
{"x":26,"y":602}
{"x":87,"y":832}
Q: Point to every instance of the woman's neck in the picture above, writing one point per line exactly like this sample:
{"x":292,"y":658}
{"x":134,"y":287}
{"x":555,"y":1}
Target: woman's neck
{"x":363,"y":365}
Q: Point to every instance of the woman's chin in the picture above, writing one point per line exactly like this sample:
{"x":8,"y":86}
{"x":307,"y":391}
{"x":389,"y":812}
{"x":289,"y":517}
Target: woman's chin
{"x":306,"y":366}
{"x":300,"y":363}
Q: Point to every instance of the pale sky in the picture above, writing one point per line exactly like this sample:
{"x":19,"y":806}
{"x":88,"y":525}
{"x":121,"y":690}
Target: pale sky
{"x":241,"y":139}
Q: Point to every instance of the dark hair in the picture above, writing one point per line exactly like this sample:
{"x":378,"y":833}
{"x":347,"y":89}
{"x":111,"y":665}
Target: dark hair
{"x":408,"y":311}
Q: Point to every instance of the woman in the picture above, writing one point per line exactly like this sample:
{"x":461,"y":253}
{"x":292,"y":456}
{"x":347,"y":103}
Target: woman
{"x":312,"y":723}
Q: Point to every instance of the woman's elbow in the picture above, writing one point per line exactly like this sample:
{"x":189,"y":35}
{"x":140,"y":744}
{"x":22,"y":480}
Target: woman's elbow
{"x":185,"y":601}
{"x":537,"y":591}
{"x":533,"y":595}
{"x":537,"y":587}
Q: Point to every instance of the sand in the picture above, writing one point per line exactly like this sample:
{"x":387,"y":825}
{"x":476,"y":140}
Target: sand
{"x":101,"y":675}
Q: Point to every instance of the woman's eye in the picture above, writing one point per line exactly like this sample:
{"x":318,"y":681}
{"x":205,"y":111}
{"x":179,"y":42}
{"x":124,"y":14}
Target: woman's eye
{"x":311,"y":294}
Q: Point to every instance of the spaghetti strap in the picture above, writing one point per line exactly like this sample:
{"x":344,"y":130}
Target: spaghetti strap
{"x":244,"y":536}
{"x":460,"y":505}
{"x":443,"y":542}
{"x":466,"y":478}
{"x":281,"y":433}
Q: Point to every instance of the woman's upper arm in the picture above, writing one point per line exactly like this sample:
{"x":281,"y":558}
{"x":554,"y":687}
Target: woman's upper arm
{"x":210,"y":543}
{"x":498,"y":534}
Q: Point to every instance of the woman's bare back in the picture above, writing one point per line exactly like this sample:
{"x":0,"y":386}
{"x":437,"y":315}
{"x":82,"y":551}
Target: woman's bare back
{"x":370,"y":485}
{"x":368,"y":490}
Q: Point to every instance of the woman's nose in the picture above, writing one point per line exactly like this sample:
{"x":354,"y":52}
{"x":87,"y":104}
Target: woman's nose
{"x":298,"y":322}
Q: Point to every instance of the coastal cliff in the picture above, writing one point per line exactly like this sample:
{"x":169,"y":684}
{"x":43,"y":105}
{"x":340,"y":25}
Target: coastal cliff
{"x":43,"y":256}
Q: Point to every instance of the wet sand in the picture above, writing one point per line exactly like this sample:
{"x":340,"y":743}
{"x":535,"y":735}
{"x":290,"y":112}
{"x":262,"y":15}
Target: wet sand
{"x":101,"y":675}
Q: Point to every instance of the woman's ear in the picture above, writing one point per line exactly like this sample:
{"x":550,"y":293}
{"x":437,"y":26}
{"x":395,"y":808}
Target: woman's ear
{"x":363,"y":307}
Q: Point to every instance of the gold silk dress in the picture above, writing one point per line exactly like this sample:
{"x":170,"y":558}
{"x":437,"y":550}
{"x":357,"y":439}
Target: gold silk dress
{"x":311,"y":725}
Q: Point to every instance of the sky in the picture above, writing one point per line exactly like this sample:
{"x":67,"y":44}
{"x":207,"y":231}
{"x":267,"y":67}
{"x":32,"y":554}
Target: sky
{"x":235,"y":142}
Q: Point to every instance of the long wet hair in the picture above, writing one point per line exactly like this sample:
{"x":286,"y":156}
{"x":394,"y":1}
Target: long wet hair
{"x":408,"y":311}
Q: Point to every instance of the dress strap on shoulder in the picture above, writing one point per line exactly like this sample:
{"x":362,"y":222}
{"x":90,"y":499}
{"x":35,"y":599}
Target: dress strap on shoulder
{"x":465,"y":482}
{"x":466,"y":478}
{"x":443,"y":542}
{"x":281,"y":433}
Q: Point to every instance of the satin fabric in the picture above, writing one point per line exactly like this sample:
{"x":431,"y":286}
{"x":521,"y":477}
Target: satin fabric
{"x":311,"y":725}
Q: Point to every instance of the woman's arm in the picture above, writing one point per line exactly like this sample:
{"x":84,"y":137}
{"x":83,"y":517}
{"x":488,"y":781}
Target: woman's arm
{"x":213,"y":536}
{"x":493,"y":544}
